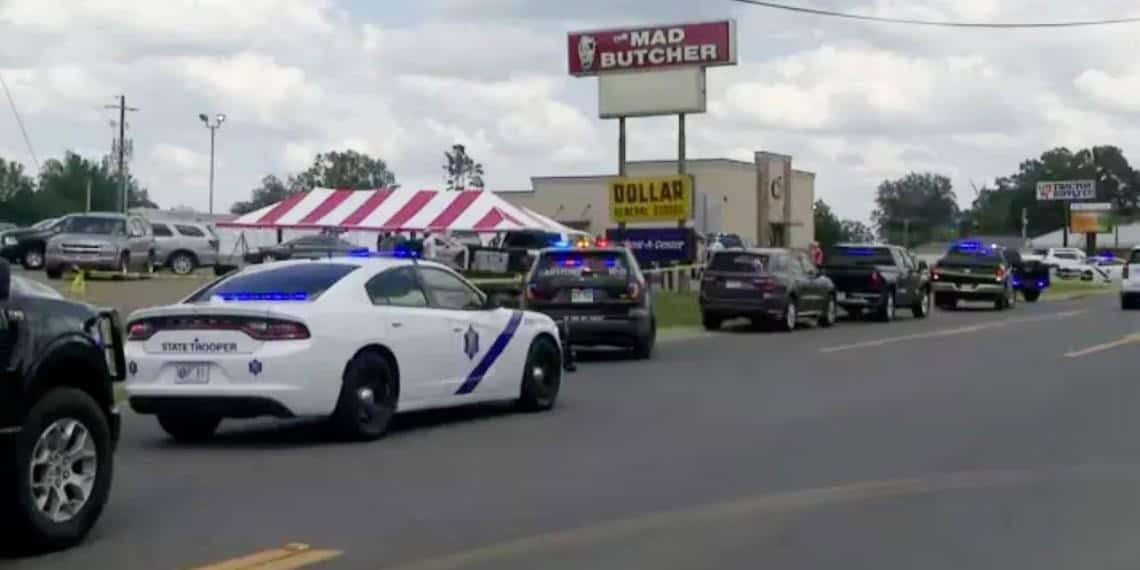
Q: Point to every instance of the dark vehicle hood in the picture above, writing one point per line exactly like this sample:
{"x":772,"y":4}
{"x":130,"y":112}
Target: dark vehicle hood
{"x":27,"y":233}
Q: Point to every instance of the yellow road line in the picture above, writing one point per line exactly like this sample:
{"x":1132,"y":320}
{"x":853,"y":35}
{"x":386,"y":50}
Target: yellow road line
{"x":292,"y":555}
{"x":1128,"y":339}
{"x":947,"y":332}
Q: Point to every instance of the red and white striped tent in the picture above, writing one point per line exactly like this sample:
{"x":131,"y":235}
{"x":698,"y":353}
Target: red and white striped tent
{"x":396,"y":210}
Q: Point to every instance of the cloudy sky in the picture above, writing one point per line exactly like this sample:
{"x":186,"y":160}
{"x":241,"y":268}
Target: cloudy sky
{"x":404,"y":79}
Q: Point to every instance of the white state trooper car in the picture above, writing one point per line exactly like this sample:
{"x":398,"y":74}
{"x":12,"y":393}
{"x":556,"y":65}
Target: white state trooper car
{"x":354,"y":339}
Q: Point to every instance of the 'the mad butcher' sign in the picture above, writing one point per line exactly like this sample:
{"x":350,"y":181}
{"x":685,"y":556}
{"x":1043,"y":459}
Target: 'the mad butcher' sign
{"x":603,"y":51}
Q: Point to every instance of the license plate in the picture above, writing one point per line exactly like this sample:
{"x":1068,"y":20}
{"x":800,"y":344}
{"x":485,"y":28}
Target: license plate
{"x":734,"y":284}
{"x":968,"y":286}
{"x":581,"y":295}
{"x":840,"y":296}
{"x":192,"y":373}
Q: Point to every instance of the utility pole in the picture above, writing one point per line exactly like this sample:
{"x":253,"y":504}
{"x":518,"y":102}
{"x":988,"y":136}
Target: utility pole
{"x":213,"y":126}
{"x":1024,"y":225}
{"x":122,"y":150}
{"x":88,"y":202}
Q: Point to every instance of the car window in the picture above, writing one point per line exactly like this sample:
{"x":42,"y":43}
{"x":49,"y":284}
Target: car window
{"x":94,"y":225}
{"x":859,"y":255}
{"x":294,"y":282}
{"x":448,"y":291}
{"x":594,"y":266}
{"x":161,"y":230}
{"x":397,"y":287}
{"x":307,"y":241}
{"x":1065,"y":255}
{"x":742,"y":262}
{"x":190,"y":231}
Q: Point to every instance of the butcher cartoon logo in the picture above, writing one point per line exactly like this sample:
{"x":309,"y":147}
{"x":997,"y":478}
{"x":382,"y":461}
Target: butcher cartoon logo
{"x":587,"y":49}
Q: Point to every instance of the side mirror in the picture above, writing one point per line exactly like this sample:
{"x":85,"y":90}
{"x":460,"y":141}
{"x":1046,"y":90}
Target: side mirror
{"x":5,"y":280}
{"x":491,"y":302}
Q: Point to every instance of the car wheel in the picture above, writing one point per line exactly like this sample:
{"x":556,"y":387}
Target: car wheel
{"x":367,"y":399}
{"x":887,"y":310}
{"x":791,"y":316}
{"x":57,"y":484}
{"x":183,"y":263}
{"x":1031,"y":295}
{"x":643,"y":347}
{"x":189,"y":428}
{"x":34,"y":259}
{"x":542,"y":376}
{"x":830,"y":312}
{"x":711,"y":322}
{"x":54,"y":272}
{"x":922,"y":307}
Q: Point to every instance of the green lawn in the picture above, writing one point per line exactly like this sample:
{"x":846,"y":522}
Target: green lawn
{"x":676,"y":309}
{"x":1077,"y":288}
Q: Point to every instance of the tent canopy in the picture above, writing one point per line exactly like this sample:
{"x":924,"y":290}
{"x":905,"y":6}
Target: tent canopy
{"x":396,"y":210}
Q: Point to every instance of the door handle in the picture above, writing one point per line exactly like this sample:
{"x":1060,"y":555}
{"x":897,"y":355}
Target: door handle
{"x":457,"y":329}
{"x":397,"y":325}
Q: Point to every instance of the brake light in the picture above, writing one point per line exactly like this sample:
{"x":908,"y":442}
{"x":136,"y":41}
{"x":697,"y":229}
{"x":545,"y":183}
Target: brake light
{"x":876,"y":280}
{"x":275,"y":330}
{"x":936,"y":274}
{"x":140,"y":330}
{"x":602,"y":243}
{"x":999,"y":273}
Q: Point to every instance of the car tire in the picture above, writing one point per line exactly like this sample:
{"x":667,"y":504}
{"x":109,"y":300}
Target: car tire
{"x":711,"y":322}
{"x":182,"y":263}
{"x":922,"y":307}
{"x":542,"y":376}
{"x":189,"y":428}
{"x":830,"y":312}
{"x":54,"y":272}
{"x":33,"y":259}
{"x":886,"y":311}
{"x":1031,"y":295}
{"x":791,"y":316}
{"x":368,"y":397}
{"x":25,"y":526}
{"x":643,"y":347}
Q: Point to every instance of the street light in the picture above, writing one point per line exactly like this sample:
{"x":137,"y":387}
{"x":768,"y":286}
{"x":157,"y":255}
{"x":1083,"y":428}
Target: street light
{"x":213,"y":126}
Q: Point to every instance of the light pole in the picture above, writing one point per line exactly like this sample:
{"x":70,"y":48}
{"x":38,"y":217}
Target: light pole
{"x":214,"y":126}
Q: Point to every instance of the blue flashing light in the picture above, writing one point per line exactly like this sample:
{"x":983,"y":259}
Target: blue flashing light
{"x":561,"y":244}
{"x":1040,"y":284}
{"x":1016,"y":282}
{"x":364,"y":252}
{"x":268,"y":296}
{"x":858,"y":251}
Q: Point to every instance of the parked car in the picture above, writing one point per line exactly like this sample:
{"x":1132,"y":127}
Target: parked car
{"x":1107,"y":268}
{"x":878,"y":278}
{"x":26,"y":246}
{"x":305,"y":247}
{"x":974,"y":271}
{"x":446,"y":250}
{"x":107,"y":241}
{"x":184,"y":246}
{"x":763,"y":285}
{"x":1066,"y":261}
{"x":600,"y":293}
{"x":1130,"y":282}
{"x":58,"y":419}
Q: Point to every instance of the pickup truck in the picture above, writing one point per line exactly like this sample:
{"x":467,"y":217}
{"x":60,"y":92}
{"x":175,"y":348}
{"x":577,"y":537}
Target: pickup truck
{"x":974,"y":271}
{"x":878,"y":278}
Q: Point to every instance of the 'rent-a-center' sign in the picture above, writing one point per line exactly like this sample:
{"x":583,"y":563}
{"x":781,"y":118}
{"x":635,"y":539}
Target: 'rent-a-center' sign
{"x":655,"y":47}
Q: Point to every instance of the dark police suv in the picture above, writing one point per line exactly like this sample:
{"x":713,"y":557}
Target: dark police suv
{"x":58,"y":420}
{"x":599,"y":292}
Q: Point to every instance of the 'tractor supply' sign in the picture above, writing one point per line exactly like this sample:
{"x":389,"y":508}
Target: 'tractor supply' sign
{"x":1066,"y":190}
{"x":651,"y":199}
{"x":654,"y":47}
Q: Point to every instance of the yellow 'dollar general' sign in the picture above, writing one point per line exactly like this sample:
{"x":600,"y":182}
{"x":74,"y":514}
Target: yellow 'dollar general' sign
{"x":651,"y":199}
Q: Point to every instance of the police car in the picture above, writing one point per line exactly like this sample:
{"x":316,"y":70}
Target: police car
{"x":354,"y":339}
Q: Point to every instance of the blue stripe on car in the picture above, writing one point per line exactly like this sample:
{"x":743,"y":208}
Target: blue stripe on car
{"x":493,"y":353}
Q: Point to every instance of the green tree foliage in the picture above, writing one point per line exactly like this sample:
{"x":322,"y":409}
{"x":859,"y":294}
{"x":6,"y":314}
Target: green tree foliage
{"x":271,"y":190}
{"x":61,"y":188}
{"x":855,"y":231}
{"x":828,"y":228}
{"x":462,"y":170}
{"x":347,"y":170}
{"x":919,"y":207}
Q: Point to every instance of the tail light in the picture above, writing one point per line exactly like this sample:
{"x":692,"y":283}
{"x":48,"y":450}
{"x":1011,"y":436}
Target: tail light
{"x":765,"y":285}
{"x":602,"y":242}
{"x":257,"y":329}
{"x":635,"y":290}
{"x":999,"y":273}
{"x":876,"y":280}
{"x":936,"y":274}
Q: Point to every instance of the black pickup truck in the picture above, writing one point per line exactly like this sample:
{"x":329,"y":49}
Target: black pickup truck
{"x":973,"y":271}
{"x":58,"y":419}
{"x":878,"y":279}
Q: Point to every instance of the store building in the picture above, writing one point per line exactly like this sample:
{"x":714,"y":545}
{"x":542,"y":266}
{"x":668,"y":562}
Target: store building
{"x":732,"y":196}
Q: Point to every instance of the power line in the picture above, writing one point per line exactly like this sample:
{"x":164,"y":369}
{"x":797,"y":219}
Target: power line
{"x":20,"y":122}
{"x":938,"y":23}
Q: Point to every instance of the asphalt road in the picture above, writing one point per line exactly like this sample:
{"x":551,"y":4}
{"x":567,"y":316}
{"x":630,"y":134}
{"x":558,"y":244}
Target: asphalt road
{"x":972,"y":439}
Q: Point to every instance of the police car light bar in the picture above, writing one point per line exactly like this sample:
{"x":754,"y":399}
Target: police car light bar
{"x":365,"y":252}
{"x":265,"y":296}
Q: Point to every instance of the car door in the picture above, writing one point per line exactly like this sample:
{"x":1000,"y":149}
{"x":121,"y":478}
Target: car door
{"x":164,"y":241}
{"x":907,"y":286}
{"x":413,"y":330}
{"x":480,"y":338}
{"x":810,"y":296}
{"x":139,"y":241}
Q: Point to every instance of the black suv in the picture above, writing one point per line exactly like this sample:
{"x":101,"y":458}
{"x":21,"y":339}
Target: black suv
{"x":27,"y":246}
{"x":599,"y":292}
{"x":58,"y":420}
{"x":767,"y":284}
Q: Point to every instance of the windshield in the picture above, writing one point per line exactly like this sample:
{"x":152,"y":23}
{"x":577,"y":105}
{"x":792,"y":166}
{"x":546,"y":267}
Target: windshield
{"x":582,"y":265}
{"x":94,"y":225}
{"x":859,"y":256}
{"x":294,"y":282}
{"x":744,"y":262}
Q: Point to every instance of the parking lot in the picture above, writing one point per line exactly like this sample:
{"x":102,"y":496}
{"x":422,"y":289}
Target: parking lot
{"x":740,"y":448}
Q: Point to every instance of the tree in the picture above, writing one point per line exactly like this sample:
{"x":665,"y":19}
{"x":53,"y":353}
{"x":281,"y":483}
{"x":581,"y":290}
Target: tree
{"x":462,"y":171}
{"x":348,"y":169}
{"x":828,"y":230}
{"x":915,"y":208}
{"x":271,"y":191}
{"x":856,"y":231}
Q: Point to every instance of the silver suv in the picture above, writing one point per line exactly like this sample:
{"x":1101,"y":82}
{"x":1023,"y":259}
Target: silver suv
{"x":184,"y":246}
{"x":100,"y":241}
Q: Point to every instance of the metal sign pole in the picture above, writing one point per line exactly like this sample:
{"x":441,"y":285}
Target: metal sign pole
{"x":621,"y":156}
{"x":681,"y":156}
